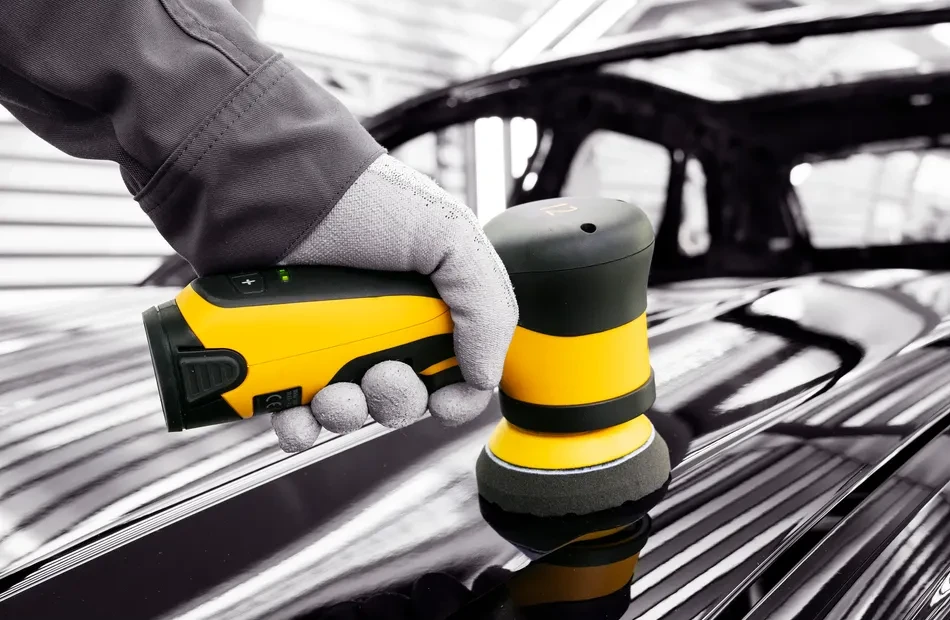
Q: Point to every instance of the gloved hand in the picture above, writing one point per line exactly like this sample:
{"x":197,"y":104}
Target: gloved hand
{"x":394,"y":218}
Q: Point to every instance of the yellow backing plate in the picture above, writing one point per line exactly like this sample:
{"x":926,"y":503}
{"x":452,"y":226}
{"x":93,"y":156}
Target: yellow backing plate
{"x":525,"y":448}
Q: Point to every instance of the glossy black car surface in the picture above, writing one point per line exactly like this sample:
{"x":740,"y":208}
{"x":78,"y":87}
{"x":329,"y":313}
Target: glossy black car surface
{"x":804,"y":392}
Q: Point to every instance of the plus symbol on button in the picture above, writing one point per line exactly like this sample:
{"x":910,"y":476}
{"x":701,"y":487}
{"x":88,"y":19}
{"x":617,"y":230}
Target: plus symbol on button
{"x":248,"y":282}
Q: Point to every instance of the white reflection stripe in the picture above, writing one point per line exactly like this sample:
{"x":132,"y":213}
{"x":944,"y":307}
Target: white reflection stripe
{"x":822,"y":410}
{"x":18,"y":344}
{"x":113,"y":513}
{"x":905,"y":561}
{"x":762,"y":479}
{"x":888,"y":401}
{"x":582,"y":470}
{"x":684,"y":493}
{"x":73,"y":432}
{"x":363,"y":519}
{"x":55,"y":390}
{"x":29,"y":472}
{"x":664,"y":570}
{"x":91,"y":271}
{"x":141,"y":391}
{"x":922,"y":406}
{"x":697,"y":585}
{"x":835,"y":563}
{"x":29,"y":367}
{"x":60,"y":510}
{"x":117,"y":373}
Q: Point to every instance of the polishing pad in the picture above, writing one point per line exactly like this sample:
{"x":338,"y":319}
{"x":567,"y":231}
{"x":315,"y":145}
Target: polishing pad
{"x":640,"y":475}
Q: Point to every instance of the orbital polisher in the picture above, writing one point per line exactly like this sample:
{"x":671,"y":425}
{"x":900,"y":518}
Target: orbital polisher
{"x":577,"y":378}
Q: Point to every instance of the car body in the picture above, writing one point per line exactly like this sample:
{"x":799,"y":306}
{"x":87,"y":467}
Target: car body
{"x":803,"y":389}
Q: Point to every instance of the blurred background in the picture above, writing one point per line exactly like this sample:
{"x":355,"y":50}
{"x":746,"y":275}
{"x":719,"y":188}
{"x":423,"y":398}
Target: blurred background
{"x":84,"y":451}
{"x":69,"y":222}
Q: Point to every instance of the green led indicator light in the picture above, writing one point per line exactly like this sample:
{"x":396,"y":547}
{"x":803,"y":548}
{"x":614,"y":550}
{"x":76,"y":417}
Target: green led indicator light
{"x":284,"y":276}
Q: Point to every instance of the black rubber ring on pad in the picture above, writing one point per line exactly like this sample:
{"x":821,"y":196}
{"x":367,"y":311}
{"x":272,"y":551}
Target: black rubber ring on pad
{"x":545,"y":493}
{"x":579,"y":418}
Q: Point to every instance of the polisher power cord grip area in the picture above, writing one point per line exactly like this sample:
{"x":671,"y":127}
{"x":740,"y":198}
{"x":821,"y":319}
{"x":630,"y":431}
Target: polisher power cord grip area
{"x":577,"y":378}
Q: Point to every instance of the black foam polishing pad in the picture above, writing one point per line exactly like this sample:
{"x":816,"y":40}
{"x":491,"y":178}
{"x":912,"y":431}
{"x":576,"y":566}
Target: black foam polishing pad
{"x":633,"y":477}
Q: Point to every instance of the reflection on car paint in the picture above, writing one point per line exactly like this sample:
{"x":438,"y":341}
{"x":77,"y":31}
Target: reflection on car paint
{"x":768,"y":469}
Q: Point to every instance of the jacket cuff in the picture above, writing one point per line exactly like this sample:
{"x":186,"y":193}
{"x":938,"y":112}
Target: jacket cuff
{"x":259,"y":173}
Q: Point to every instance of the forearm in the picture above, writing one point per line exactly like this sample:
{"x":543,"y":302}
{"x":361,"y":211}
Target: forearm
{"x":232,"y":151}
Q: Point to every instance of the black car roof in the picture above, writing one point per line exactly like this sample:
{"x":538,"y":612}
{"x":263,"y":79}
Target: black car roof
{"x":778,"y":27}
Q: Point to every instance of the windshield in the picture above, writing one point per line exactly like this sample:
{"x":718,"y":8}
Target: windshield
{"x":886,"y":195}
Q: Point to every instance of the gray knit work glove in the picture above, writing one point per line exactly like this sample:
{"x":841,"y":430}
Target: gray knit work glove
{"x":394,"y":218}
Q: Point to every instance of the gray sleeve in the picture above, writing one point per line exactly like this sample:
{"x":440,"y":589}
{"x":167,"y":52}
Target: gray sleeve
{"x":233,"y":152}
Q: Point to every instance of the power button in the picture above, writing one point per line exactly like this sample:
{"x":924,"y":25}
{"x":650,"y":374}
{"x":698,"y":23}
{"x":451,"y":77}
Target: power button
{"x":248,"y":283}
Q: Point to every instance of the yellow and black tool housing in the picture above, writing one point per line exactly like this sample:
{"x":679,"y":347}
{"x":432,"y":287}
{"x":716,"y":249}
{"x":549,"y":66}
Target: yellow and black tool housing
{"x":577,"y":379}
{"x":232,"y":346}
{"x":579,"y":359}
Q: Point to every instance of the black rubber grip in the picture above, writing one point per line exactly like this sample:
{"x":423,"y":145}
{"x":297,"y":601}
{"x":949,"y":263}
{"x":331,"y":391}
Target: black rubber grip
{"x":442,"y":378}
{"x":170,"y":340}
{"x":420,"y":355}
{"x":579,"y":418}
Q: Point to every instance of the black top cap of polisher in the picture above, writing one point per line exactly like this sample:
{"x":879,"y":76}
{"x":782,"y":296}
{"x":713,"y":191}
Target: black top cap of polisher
{"x":568,"y":233}
{"x":578,"y":265}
